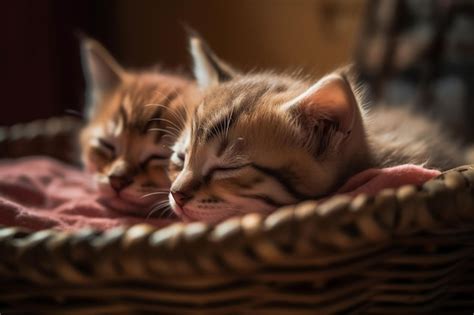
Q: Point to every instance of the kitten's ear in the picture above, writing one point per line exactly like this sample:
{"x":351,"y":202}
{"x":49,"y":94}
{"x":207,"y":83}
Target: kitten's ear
{"x":330,"y":101}
{"x":209,"y":70}
{"x":102,"y":73}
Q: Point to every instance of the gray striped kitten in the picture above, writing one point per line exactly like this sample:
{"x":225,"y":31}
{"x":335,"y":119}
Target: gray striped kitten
{"x":259,"y":141}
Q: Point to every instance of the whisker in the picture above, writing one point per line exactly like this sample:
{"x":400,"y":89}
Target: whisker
{"x":151,"y":213}
{"x":160,"y":204}
{"x":179,"y":97}
{"x":155,"y":193}
{"x":156,"y":208}
{"x":164,"y":209}
{"x":163,"y":130}
{"x":162,"y":189}
{"x":228,"y":122}
{"x":168,"y":121}
{"x":170,"y":213}
{"x":186,"y":114}
{"x":184,"y":107}
{"x":183,"y":113}
{"x":174,"y":129}
{"x":179,"y":118}
{"x":167,"y":212}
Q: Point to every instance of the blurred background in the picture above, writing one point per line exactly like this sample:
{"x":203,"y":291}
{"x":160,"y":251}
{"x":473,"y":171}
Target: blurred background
{"x":409,"y":51}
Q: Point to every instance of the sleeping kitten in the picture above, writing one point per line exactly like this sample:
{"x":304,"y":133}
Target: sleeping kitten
{"x":260,"y":141}
{"x":133,"y":119}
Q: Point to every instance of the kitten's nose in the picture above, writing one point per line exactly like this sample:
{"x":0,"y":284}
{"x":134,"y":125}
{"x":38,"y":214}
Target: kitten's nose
{"x":180,"y":197}
{"x":119,"y":182}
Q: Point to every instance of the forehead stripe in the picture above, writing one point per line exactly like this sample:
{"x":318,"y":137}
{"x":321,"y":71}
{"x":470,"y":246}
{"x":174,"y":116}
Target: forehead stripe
{"x":170,"y":97}
{"x":238,"y":105}
{"x":219,"y":127}
{"x":223,"y":123}
{"x":222,"y":147}
{"x":155,"y":117}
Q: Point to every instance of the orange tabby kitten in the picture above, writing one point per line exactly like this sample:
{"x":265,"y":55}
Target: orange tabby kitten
{"x":133,"y":119}
{"x":260,"y":141}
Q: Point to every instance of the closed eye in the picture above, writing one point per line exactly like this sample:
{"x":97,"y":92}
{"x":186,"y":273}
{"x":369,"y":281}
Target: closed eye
{"x":231,"y":168}
{"x":155,"y":157}
{"x":107,"y":145}
{"x":225,"y":170}
{"x":102,"y":148}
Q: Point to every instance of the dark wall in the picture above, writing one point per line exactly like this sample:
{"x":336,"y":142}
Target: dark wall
{"x":40,"y":57}
{"x":42,"y":77}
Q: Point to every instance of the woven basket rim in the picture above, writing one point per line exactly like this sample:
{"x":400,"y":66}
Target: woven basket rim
{"x":339,"y":226}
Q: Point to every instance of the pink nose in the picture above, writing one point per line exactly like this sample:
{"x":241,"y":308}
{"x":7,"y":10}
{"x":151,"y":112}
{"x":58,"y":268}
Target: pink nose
{"x":180,"y":197}
{"x":119,"y":182}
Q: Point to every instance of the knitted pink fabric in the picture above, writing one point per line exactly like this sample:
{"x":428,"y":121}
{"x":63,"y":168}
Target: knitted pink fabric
{"x":40,"y":193}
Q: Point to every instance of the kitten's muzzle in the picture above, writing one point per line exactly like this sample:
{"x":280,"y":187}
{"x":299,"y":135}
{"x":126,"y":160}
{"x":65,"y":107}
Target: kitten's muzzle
{"x":180,"y":197}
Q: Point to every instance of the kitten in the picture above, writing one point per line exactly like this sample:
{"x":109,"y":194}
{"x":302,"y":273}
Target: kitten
{"x":132,"y":120}
{"x":260,"y":141}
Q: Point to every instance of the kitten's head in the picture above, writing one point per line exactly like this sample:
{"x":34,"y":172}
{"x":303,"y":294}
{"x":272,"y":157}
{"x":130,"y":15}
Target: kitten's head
{"x":133,"y":119}
{"x":260,"y":141}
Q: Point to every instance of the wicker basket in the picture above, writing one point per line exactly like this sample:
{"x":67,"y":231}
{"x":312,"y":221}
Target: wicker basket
{"x":406,"y":251}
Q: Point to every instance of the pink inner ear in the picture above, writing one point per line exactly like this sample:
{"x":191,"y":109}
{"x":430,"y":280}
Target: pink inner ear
{"x":330,"y":98}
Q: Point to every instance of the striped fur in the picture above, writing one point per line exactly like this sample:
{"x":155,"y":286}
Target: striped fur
{"x":260,"y":141}
{"x":133,"y":119}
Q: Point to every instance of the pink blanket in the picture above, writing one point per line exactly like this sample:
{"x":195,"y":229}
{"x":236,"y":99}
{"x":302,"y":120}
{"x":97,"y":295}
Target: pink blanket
{"x":40,"y":193}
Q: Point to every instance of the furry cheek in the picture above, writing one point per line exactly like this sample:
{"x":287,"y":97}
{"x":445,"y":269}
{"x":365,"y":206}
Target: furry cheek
{"x":153,"y":177}
{"x":95,"y":160}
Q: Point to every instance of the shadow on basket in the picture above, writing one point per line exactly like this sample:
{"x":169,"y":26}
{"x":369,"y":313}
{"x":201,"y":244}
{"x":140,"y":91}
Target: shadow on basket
{"x":347,"y":253}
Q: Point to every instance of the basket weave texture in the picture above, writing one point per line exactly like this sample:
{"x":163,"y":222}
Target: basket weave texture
{"x":408,"y":250}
